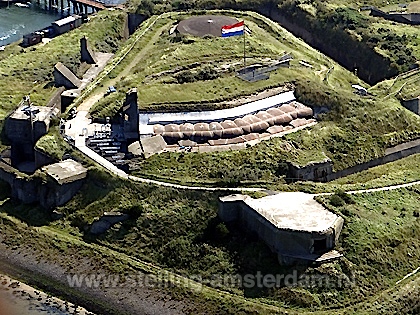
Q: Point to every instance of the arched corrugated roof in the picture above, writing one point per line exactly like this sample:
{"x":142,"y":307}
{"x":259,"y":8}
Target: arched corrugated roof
{"x":204,"y":135}
{"x":305,"y":111}
{"x":259,"y":126}
{"x":216,"y":128}
{"x":201,"y":127}
{"x":232,"y":132}
{"x":171,"y":128}
{"x":265,"y":116}
{"x":275,"y":111}
{"x":187,"y":129}
{"x":172,"y":137}
{"x":227,"y":124}
{"x":284,"y":119}
{"x":251,"y":119}
{"x":289,"y":109}
{"x":158,"y":129}
{"x":202,"y":132}
{"x":243,"y":124}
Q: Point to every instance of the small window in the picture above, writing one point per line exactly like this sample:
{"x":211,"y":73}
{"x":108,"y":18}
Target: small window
{"x":320,"y":245}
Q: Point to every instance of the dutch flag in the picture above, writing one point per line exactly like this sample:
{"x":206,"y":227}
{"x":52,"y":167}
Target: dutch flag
{"x":233,"y":30}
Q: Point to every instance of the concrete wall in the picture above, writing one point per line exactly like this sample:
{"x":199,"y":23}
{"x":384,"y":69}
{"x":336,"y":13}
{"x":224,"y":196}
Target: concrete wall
{"x":392,"y":154}
{"x":315,"y":171}
{"x":86,"y":53}
{"x":55,"y":101}
{"x":133,"y":21}
{"x":323,"y":171}
{"x":406,"y":18}
{"x":32,"y":189}
{"x":42,"y":159}
{"x":52,"y":195}
{"x":412,"y":105}
{"x":286,"y":243}
{"x":131,"y":114}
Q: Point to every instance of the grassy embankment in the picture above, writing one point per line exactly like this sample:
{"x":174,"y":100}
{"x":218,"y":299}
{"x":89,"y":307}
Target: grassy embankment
{"x":179,"y":231}
{"x":356,"y":129}
{"x":165,"y":92}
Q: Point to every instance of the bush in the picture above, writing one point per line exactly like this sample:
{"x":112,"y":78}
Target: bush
{"x":188,"y":76}
{"x":340,"y":198}
{"x":336,"y":201}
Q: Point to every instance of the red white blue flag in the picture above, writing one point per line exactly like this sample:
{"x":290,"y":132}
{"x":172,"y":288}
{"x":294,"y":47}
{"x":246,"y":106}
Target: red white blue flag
{"x":233,"y":30}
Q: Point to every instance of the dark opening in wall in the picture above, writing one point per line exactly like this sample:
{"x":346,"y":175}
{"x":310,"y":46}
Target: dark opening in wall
{"x":320,"y":245}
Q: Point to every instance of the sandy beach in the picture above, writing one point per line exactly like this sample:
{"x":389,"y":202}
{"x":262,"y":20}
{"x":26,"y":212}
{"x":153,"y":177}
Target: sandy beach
{"x":19,"y":298}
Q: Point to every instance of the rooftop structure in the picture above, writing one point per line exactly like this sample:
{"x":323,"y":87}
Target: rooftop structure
{"x":66,"y":24}
{"x":294,"y":211}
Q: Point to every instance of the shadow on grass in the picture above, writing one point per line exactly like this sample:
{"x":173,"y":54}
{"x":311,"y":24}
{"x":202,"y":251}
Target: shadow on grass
{"x":252,"y":257}
{"x":32,"y":214}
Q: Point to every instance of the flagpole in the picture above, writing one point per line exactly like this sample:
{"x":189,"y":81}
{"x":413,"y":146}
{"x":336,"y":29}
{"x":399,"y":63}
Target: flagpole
{"x":244,"y":48}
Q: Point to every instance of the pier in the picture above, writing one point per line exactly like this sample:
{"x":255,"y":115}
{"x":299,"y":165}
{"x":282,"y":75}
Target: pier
{"x":5,"y":3}
{"x":71,"y":6}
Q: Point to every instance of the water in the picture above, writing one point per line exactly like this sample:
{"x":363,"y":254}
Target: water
{"x":15,"y":22}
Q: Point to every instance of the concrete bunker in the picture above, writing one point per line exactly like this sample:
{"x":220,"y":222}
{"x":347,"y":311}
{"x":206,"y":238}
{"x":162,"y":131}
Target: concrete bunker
{"x":295,"y":226}
{"x":24,"y":127}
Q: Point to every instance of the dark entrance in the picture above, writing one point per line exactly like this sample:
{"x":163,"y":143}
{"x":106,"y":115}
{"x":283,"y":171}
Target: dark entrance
{"x":320,"y":245}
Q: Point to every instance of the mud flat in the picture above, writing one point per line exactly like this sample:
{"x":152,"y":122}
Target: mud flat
{"x":19,"y":298}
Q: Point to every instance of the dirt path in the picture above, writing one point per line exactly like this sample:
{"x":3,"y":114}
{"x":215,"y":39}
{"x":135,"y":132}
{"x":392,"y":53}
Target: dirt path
{"x":100,"y":92}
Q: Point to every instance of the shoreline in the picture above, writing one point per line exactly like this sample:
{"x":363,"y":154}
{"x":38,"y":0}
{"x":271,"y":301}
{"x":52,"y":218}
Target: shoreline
{"x":48,"y":273}
{"x":18,"y":297}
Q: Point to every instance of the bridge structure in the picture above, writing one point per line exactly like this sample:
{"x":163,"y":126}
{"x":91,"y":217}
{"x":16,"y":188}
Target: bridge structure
{"x":67,"y":7}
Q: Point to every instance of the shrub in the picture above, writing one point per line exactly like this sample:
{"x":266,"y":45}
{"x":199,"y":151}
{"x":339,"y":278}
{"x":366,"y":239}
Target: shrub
{"x":336,"y":201}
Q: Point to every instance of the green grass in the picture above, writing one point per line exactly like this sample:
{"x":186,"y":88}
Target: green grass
{"x":398,"y":172}
{"x":267,"y":41}
{"x":53,"y":144}
{"x":29,"y":70}
{"x":179,"y":231}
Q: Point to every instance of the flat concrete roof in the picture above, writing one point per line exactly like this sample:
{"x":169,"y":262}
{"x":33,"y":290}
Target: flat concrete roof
{"x":148,"y":119}
{"x":39,"y":113}
{"x":296,"y":211}
{"x":66,"y":171}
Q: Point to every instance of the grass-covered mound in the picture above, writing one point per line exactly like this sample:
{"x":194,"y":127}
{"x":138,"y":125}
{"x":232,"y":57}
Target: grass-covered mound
{"x":181,"y":73}
{"x":356,"y":129}
{"x":342,"y":30}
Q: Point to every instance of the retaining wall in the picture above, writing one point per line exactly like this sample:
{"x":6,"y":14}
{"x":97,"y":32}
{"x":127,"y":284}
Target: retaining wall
{"x":33,"y":189}
{"x":322,"y":171}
